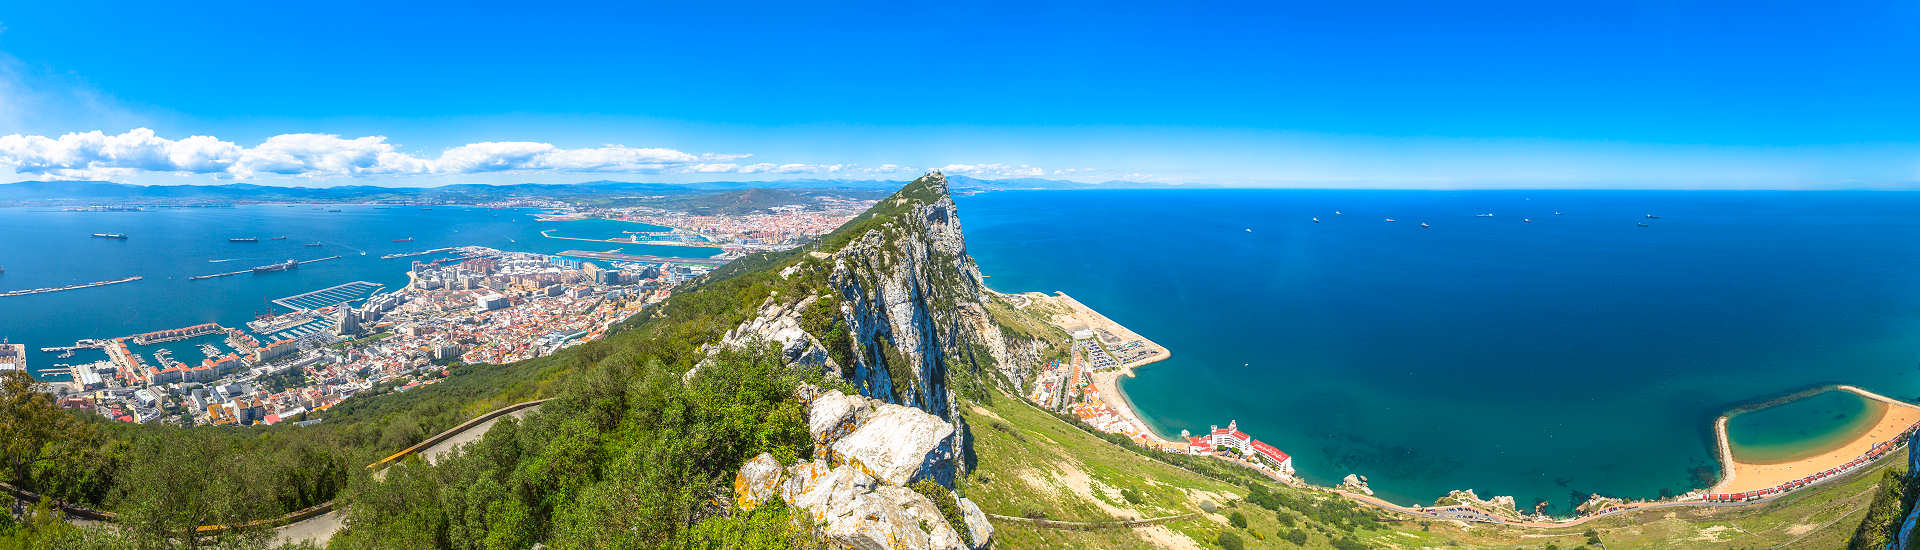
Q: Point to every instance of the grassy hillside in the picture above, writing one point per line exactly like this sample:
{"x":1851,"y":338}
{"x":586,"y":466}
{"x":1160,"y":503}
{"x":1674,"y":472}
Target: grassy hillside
{"x":634,"y":453}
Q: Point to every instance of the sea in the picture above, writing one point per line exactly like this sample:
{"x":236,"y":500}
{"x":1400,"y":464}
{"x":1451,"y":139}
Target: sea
{"x":48,"y":247}
{"x":1545,"y":345}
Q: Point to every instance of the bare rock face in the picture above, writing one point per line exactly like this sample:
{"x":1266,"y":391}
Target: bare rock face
{"x":779,"y":323}
{"x":802,"y":477}
{"x":833,"y":415}
{"x":758,"y":480}
{"x":899,"y":445}
{"x":889,"y":518}
{"x":978,"y":529}
{"x":839,"y":486}
{"x":856,"y":490}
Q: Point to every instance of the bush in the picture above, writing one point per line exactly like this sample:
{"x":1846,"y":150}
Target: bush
{"x":1132,"y":496}
{"x":1237,"y":520}
{"x":1297,"y":536}
{"x":944,"y":500}
{"x":1230,"y":541}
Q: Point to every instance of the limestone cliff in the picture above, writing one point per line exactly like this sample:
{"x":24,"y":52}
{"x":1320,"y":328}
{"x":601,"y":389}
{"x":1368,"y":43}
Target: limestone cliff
{"x":902,"y":306}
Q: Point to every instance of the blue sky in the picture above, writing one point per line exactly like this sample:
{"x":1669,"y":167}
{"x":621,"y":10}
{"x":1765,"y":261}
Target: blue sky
{"x":1349,"y":94}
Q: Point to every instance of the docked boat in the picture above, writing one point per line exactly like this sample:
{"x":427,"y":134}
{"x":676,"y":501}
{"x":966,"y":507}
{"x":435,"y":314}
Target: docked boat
{"x":282,"y":266}
{"x":110,"y":235}
{"x":406,"y":240}
{"x":243,"y":239}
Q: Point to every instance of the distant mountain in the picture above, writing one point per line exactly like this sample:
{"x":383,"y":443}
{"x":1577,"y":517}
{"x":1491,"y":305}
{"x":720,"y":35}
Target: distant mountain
{"x":82,"y":192}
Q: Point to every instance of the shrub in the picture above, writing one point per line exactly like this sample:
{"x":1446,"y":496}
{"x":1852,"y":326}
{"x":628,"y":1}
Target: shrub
{"x":1230,"y":541}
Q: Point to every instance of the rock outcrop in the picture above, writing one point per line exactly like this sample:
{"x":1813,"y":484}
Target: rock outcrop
{"x":856,"y":490}
{"x":778,"y":323}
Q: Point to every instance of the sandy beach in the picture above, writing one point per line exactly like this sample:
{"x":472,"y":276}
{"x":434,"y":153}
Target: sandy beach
{"x":1741,"y":477}
{"x":1076,"y":317}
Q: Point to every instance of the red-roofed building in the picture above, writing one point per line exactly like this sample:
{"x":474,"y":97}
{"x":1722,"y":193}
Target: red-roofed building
{"x":1200,"y":445}
{"x":1231,"y":437}
{"x":1279,"y":460}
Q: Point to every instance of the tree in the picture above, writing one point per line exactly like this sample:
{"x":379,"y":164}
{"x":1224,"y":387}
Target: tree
{"x":1237,"y":520}
{"x":33,"y":429}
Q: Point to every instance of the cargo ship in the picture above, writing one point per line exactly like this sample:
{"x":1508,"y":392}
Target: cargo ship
{"x":406,"y":240}
{"x":243,"y":239}
{"x":282,"y":266}
{"x":109,"y":235}
{"x":280,"y":238}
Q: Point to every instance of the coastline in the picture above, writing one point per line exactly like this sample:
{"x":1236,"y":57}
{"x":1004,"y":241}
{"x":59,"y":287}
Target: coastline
{"x":1862,"y":451}
{"x":1080,"y":317}
{"x":1738,"y":477}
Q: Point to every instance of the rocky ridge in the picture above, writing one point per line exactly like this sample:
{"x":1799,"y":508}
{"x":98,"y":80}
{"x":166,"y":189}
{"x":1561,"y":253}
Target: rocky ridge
{"x":856,"y":489}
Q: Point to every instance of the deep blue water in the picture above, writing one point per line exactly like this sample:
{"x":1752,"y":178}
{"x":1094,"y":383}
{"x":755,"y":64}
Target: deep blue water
{"x":42,"y":247}
{"x":1546,"y":360}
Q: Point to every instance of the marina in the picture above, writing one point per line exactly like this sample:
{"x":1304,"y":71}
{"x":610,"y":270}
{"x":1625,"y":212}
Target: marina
{"x":330,"y":296}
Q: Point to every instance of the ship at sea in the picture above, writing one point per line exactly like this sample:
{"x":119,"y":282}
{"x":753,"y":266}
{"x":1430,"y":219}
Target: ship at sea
{"x":243,"y":239}
{"x":406,"y":240}
{"x":315,"y":244}
{"x":110,"y":235}
{"x":280,"y":238}
{"x":282,"y":266}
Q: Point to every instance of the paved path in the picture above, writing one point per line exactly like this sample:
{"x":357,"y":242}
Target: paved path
{"x":319,"y":529}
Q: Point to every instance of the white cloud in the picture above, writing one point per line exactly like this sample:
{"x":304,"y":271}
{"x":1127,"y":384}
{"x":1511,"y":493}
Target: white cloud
{"x":994,"y":170}
{"x":96,"y":154}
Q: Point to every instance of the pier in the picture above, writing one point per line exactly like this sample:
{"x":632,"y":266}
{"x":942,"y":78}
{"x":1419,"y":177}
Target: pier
{"x":641,"y":258}
{"x":69,"y":287}
{"x":420,"y":253}
{"x":173,"y":334}
{"x":250,"y":270}
{"x":333,"y":295}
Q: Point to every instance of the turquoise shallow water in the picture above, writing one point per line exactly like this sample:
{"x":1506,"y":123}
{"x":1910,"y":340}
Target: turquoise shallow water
{"x":1546,"y":360}
{"x":41,"y":247}
{"x":1802,"y":427}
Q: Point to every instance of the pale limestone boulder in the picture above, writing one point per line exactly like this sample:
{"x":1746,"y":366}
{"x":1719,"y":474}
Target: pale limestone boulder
{"x":839,"y":485}
{"x":803,"y":477}
{"x":832,"y":415}
{"x":890,"y":518}
{"x":758,"y":480}
{"x":898,"y":445}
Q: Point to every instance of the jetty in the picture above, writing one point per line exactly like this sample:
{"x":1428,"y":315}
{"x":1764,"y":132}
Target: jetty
{"x":420,"y":253}
{"x":69,"y":287}
{"x":253,"y":270}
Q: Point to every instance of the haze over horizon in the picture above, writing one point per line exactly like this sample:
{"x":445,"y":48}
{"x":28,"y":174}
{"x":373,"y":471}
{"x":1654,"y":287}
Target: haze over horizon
{"x":1488,"y":95}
